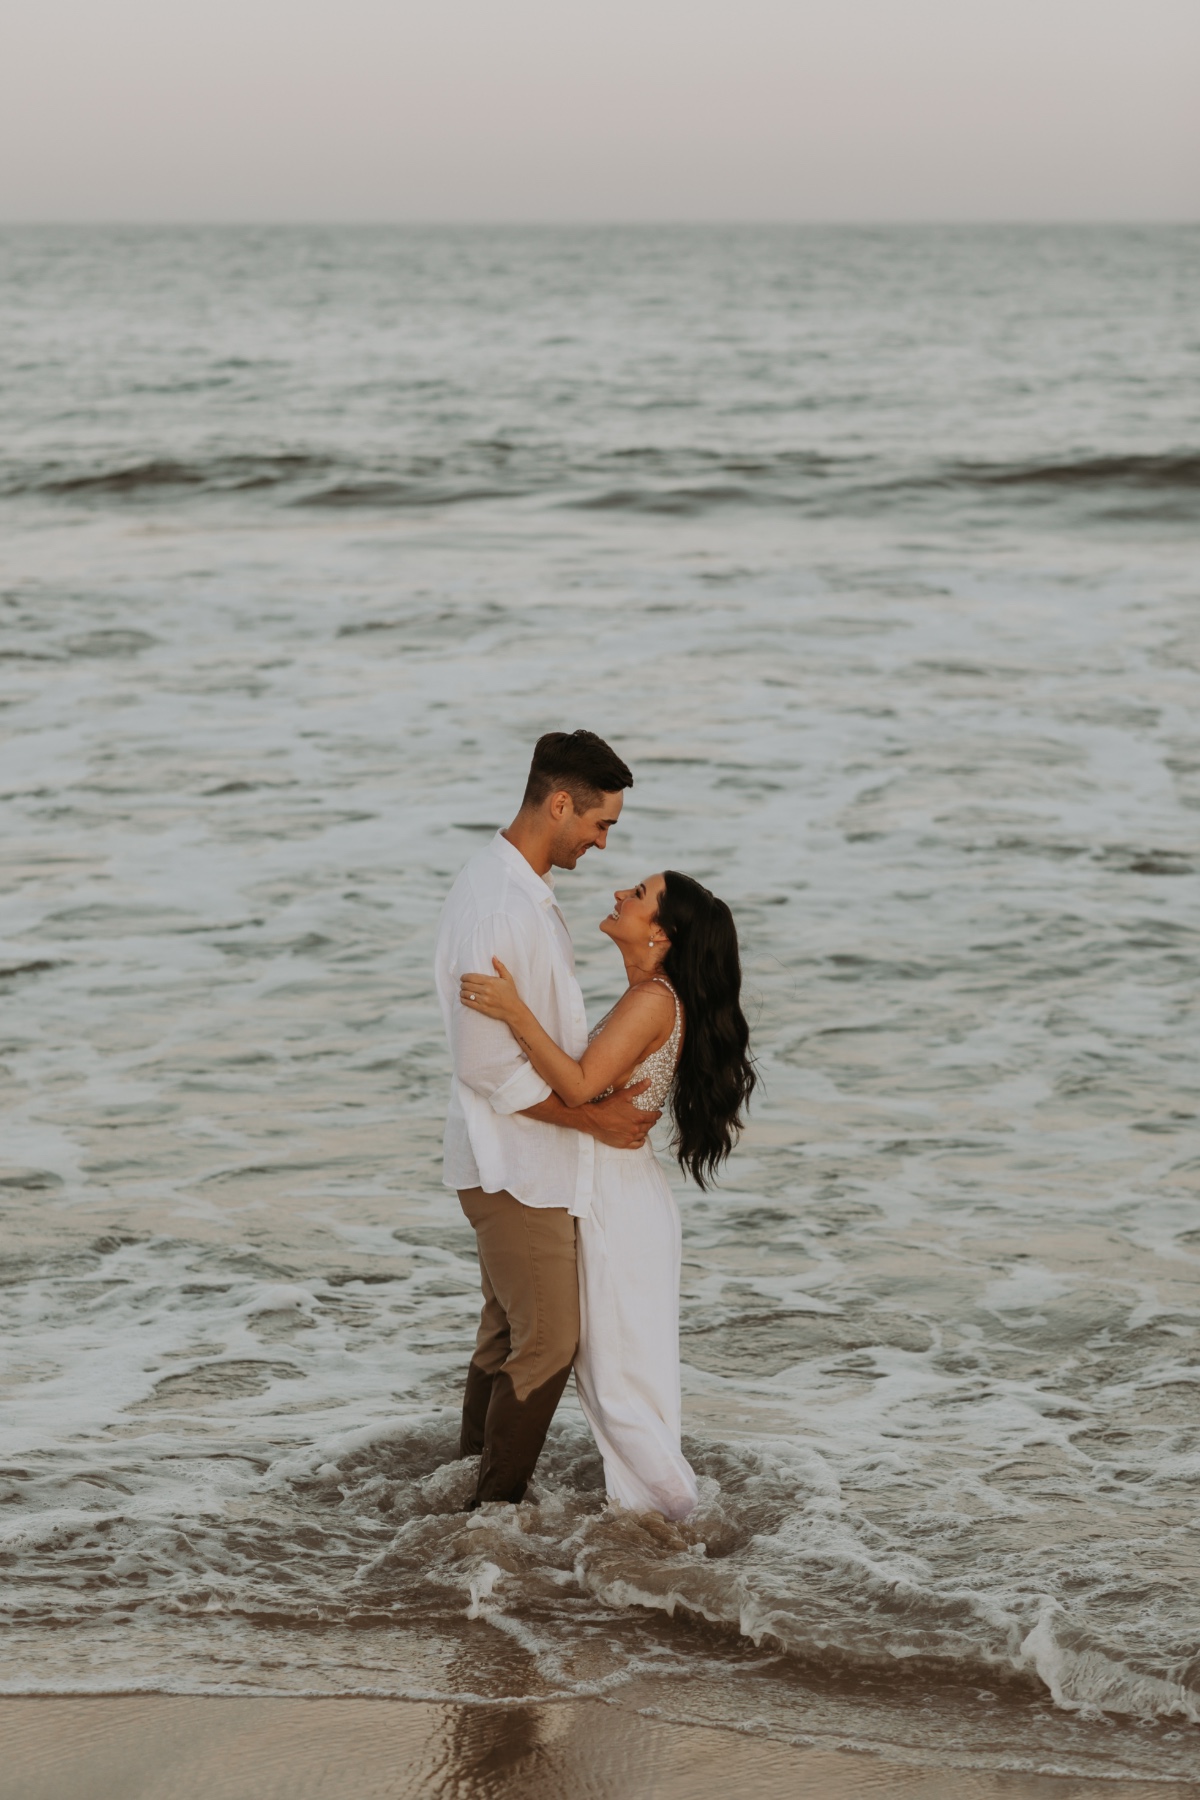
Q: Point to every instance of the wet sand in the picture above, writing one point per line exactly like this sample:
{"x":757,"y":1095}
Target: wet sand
{"x":166,"y":1747}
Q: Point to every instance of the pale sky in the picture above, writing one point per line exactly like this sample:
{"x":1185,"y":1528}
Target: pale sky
{"x":599,"y":109}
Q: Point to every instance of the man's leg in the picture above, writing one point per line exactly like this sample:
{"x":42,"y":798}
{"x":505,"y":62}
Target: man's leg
{"x":527,"y":1259}
{"x":492,"y":1346}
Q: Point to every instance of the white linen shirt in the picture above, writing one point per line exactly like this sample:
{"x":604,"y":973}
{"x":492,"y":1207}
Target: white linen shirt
{"x":500,"y":907}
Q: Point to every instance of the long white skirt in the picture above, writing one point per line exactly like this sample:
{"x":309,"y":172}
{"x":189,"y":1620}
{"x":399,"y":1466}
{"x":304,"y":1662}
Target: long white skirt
{"x":627,"y":1368}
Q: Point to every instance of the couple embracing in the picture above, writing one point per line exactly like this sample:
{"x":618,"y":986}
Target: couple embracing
{"x":547,"y":1139}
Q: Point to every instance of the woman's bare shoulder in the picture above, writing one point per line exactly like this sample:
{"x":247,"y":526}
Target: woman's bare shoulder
{"x":649,"y":996}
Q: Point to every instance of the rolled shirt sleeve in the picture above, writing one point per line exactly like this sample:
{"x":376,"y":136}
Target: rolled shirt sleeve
{"x":523,"y":1088}
{"x":487,"y":1056}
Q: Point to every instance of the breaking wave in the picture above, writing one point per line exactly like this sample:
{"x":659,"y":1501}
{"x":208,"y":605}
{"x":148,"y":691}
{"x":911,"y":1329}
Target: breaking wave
{"x":366,"y":1533}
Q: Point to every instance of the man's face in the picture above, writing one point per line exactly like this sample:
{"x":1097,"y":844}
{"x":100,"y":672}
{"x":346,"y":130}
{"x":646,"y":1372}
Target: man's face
{"x":580,"y":831}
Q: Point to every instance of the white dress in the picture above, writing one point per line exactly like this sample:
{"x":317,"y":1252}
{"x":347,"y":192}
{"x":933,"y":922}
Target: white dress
{"x":627,"y":1367}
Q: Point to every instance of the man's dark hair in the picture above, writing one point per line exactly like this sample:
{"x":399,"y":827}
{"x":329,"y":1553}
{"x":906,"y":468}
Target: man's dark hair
{"x":579,"y":762}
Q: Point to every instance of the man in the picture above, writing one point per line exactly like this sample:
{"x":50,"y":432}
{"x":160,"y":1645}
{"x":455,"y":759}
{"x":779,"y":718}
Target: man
{"x":520,"y":1159}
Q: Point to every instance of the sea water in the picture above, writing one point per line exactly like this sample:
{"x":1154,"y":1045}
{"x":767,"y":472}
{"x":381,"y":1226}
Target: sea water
{"x":877,"y":555}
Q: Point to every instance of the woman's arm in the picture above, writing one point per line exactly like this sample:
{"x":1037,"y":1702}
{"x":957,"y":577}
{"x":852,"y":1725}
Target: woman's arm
{"x":641,"y":1019}
{"x":486,"y":1056}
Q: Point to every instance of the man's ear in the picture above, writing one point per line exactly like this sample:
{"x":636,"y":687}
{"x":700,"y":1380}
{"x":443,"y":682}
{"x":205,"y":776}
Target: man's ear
{"x":561,"y":806}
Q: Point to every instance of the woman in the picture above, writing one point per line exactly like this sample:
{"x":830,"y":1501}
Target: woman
{"x":678,"y":1026}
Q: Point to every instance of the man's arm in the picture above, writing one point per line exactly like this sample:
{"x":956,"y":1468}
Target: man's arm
{"x":616,"y":1121}
{"x":486,"y":1055}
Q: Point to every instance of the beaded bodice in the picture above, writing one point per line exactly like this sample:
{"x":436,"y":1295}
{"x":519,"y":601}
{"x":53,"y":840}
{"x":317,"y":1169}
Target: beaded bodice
{"x":659,"y":1067}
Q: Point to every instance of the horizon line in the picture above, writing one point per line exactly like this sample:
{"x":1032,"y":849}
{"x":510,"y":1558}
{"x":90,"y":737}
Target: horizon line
{"x":666,"y":222}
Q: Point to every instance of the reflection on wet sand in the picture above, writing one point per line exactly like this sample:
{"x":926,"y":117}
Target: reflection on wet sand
{"x":171,"y":1747}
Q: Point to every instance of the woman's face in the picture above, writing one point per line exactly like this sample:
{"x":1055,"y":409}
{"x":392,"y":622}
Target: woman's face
{"x":631,"y":920}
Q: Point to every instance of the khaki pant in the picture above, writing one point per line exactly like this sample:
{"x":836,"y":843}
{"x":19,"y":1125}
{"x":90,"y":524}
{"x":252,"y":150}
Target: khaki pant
{"x":527,"y":1338}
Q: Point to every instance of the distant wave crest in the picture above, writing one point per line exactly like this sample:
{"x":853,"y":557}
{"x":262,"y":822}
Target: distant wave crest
{"x":1166,"y":470}
{"x":164,"y":474}
{"x":684,"y":481}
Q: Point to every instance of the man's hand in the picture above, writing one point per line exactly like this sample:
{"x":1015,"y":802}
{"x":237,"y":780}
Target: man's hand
{"x":616,"y":1121}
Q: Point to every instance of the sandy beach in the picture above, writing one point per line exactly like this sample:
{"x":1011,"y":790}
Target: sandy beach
{"x":168,"y":1747}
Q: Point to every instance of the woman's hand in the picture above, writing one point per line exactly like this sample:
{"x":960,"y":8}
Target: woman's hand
{"x":495,"y":996}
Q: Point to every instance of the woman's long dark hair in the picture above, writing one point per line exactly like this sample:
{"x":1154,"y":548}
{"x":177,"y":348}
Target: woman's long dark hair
{"x":716,"y":1075}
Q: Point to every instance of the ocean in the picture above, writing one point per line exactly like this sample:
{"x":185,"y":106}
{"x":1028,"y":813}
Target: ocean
{"x":876,"y":553}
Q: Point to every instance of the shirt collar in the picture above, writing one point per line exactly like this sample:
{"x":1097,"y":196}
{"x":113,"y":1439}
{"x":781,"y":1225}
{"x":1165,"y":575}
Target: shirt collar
{"x":540,"y":886}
